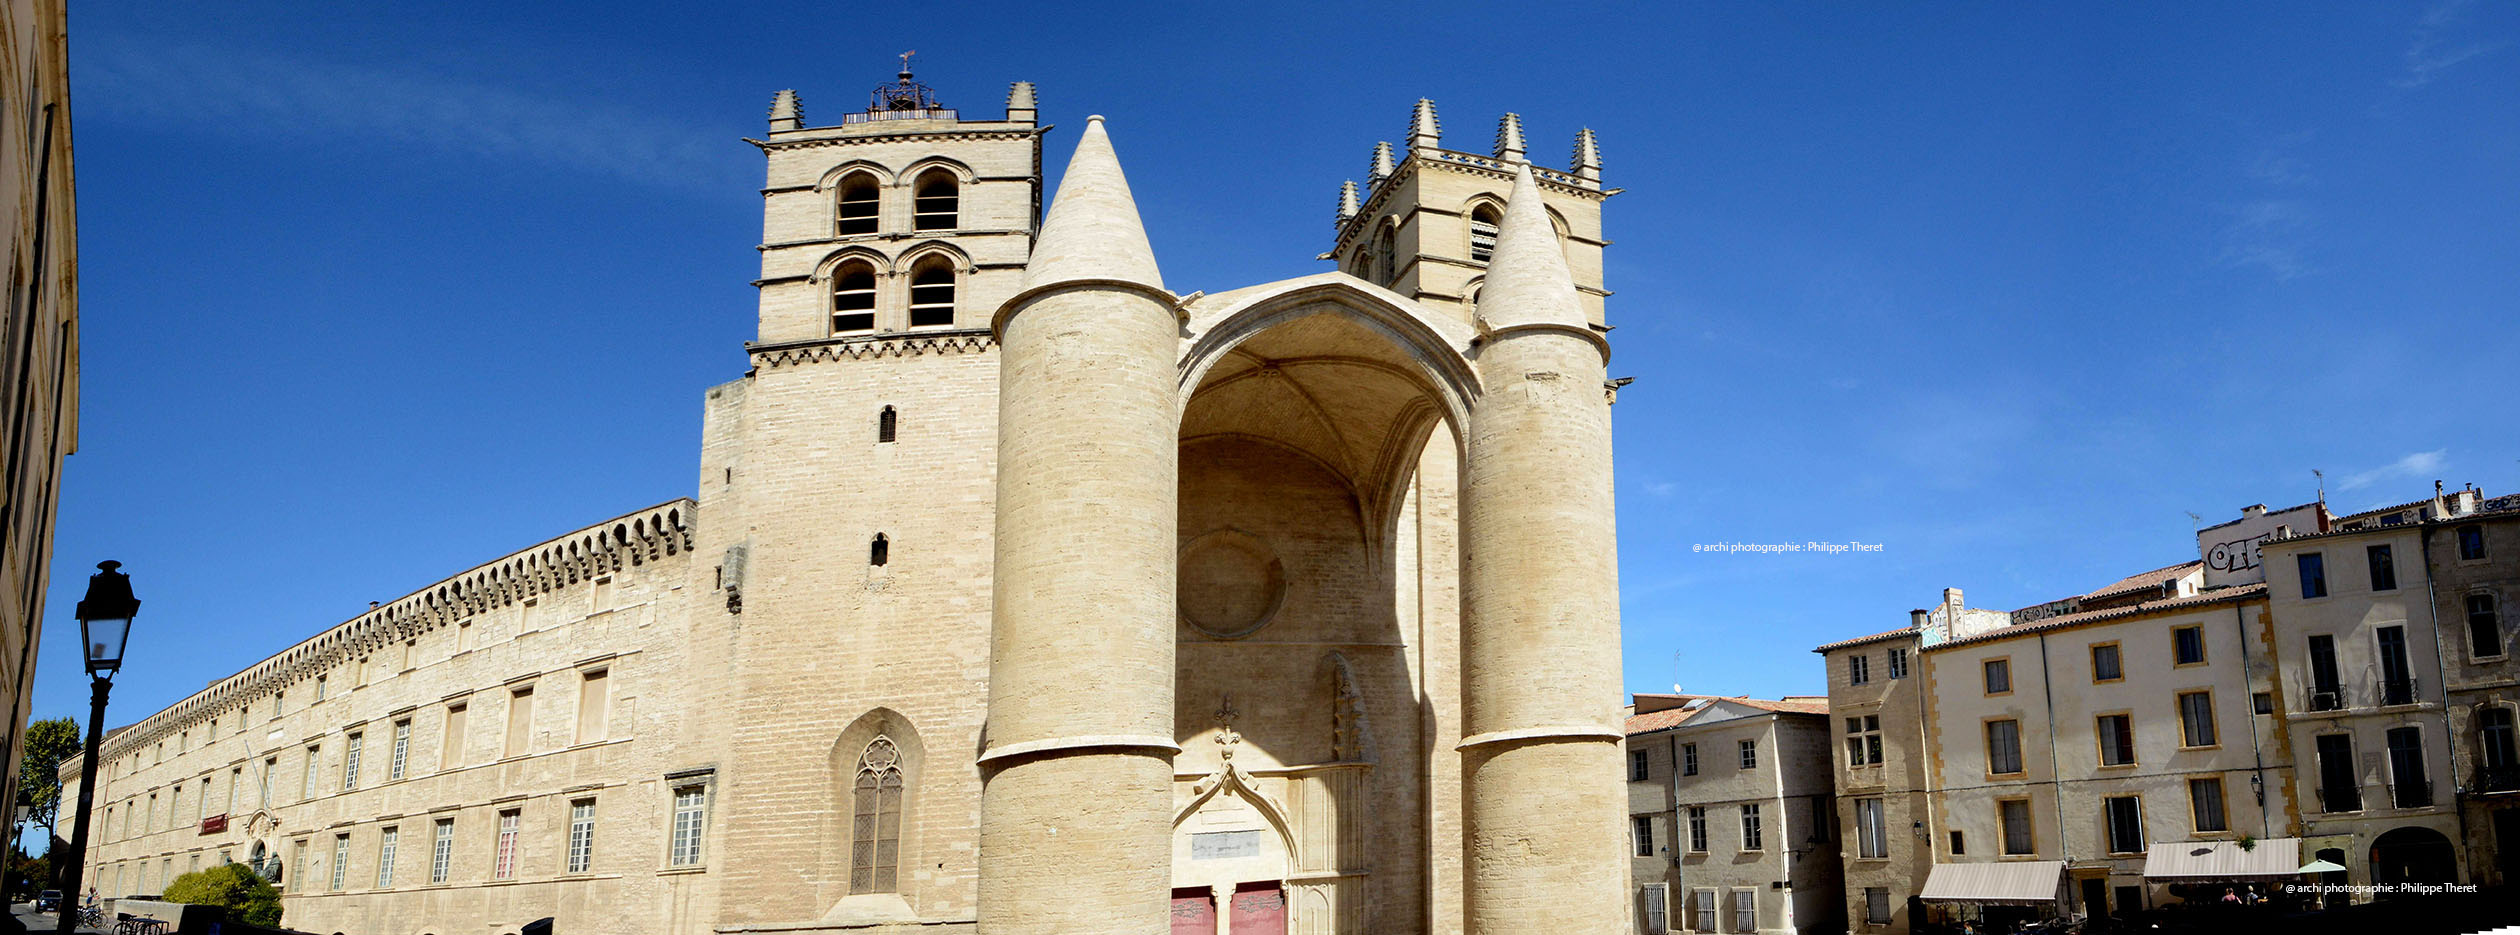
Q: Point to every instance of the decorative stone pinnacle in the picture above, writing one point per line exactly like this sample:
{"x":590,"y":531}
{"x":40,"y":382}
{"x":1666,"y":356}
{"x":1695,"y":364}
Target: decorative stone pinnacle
{"x":1587,"y":160}
{"x":1347,"y":200}
{"x":1020,"y":97}
{"x":1425,"y":132}
{"x":1509,"y":138}
{"x":1381,"y":168}
{"x":786,"y":112}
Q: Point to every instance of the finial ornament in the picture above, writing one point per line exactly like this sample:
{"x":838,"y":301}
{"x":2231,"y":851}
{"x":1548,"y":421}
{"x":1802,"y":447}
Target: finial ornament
{"x":905,"y":63}
{"x":1425,"y":132}
{"x":1381,"y":168}
{"x":1587,"y":160}
{"x":1227,"y":737}
{"x":786,"y":112}
{"x":1509,"y":138}
{"x":1347,"y":200}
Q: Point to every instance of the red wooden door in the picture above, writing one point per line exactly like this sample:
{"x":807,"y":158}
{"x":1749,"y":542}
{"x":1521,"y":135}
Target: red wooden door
{"x":1194,"y":912}
{"x":1259,"y":909}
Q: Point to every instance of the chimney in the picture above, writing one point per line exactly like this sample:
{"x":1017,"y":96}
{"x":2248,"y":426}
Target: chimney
{"x":2253,"y":511}
{"x":1951,"y":599}
{"x":1916,"y":619}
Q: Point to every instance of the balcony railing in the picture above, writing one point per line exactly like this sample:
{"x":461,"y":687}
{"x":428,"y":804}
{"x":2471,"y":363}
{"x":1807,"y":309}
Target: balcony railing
{"x":918,"y":113}
{"x":2339,"y":799}
{"x":2498,"y":779}
{"x":2326,"y":699}
{"x":2413,"y":793}
{"x":2397,"y":691}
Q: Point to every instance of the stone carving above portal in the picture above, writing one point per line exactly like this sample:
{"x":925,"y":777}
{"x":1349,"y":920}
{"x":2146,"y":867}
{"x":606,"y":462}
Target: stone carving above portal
{"x":1231,"y":583}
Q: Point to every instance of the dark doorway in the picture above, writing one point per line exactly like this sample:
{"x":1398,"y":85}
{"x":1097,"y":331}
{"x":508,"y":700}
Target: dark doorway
{"x":2095,"y":897}
{"x":2412,"y":855}
{"x":2130,"y":901}
{"x":2507,"y":845}
{"x":2334,"y":896}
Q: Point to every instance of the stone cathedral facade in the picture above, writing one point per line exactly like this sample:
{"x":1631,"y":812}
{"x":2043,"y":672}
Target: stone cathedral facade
{"x":1019,"y":594}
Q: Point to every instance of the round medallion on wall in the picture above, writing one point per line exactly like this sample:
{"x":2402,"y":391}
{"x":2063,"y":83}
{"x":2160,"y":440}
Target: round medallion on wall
{"x":1231,"y":583}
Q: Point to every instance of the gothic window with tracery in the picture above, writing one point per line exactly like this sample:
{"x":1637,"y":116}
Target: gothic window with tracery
{"x":1385,"y":257}
{"x":875,"y":860}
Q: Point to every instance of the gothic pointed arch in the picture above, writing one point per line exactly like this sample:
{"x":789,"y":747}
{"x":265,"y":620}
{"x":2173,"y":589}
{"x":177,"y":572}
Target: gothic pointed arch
{"x":876,"y":767}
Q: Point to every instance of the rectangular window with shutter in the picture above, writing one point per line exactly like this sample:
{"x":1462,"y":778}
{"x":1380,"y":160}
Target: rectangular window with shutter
{"x":2003,"y":747}
{"x":451,"y":743}
{"x":2196,"y":719}
{"x":593,"y":704}
{"x":503,"y":860}
{"x":1656,"y":900}
{"x":520,"y":721}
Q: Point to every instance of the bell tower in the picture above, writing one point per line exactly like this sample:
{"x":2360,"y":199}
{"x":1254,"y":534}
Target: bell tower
{"x":1425,"y":222}
{"x":902,"y":218}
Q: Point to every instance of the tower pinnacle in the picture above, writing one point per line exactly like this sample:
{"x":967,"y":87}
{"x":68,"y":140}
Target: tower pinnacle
{"x":785,"y":112}
{"x":1527,"y":281}
{"x":1093,"y":231}
{"x":1347,"y":200}
{"x":1587,"y":160}
{"x":1381,"y":168}
{"x":1509,"y":138}
{"x":1424,"y":131}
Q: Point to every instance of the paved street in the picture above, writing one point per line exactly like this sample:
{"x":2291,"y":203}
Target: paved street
{"x":37,"y":921}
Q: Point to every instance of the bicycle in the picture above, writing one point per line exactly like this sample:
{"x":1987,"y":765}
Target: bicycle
{"x":91,"y":915}
{"x":140,"y":927}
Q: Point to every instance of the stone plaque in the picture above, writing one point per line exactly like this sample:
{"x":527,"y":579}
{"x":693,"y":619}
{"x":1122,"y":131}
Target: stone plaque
{"x":1221,"y":845}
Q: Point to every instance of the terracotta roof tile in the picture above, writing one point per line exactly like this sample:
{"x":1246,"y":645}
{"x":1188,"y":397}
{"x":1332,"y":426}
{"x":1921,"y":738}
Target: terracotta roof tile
{"x":2151,"y":579}
{"x":1860,"y":640}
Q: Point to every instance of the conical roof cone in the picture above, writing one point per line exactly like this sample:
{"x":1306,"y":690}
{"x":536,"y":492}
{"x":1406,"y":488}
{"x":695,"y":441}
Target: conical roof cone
{"x":1527,"y":279}
{"x":1092,"y":231}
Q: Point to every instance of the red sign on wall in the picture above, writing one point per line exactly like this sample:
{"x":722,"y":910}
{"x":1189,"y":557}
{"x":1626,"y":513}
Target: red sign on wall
{"x":214,"y":824}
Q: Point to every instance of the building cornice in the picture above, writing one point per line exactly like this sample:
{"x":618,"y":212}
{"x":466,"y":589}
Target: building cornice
{"x":914,"y":344}
{"x":631,"y":539}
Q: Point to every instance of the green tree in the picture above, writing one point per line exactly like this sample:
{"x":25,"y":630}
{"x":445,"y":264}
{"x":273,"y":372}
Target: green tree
{"x":48,"y":742}
{"x":234,"y":886}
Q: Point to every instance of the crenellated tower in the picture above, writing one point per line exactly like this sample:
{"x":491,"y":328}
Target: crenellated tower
{"x":1427,"y":225}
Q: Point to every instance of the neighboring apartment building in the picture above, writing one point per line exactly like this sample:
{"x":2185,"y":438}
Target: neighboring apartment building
{"x":2087,"y":742}
{"x":2364,"y":659}
{"x":39,"y":345}
{"x":2475,"y":567}
{"x":1876,"y":715}
{"x":1731,"y":815}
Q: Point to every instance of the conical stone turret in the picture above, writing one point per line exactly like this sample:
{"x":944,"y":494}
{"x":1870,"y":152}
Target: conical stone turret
{"x":1093,"y":231}
{"x":1527,"y":281}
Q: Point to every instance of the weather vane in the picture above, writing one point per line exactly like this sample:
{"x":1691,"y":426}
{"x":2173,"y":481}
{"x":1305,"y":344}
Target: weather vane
{"x":905,"y":62}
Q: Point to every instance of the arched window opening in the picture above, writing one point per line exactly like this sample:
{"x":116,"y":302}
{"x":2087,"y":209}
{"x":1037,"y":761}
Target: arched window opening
{"x":1385,"y":270}
{"x":880,"y":551}
{"x":875,"y":857}
{"x":853,"y":298}
{"x":937,"y":202}
{"x":932,"y":292}
{"x":1482,"y":233}
{"x":884,"y":423}
{"x":858,"y":196}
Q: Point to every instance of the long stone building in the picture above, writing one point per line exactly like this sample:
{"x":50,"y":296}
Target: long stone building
{"x":39,"y":343}
{"x":1019,"y":593}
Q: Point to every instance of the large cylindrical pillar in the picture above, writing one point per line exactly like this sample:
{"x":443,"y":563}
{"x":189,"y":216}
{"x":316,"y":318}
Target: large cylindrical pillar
{"x":1545,"y":806}
{"x":1076,"y":770}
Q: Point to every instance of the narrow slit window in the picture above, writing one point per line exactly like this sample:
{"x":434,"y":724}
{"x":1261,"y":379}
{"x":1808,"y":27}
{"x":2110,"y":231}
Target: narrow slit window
{"x":879,"y":551}
{"x":853,"y":298}
{"x":886,"y":423}
{"x":932,"y":293}
{"x":858,"y":195}
{"x":937,"y":203}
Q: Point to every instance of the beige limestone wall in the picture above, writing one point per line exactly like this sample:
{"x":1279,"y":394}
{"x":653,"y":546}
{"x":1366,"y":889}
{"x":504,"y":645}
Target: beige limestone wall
{"x":387,"y":673}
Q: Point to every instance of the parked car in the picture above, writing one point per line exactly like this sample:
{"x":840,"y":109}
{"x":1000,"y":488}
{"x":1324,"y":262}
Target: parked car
{"x":48,"y":901}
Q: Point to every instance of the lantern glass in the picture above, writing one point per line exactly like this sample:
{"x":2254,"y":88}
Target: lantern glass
{"x":105,"y":639}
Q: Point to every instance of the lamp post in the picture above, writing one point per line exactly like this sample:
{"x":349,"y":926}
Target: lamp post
{"x":104,"y":629}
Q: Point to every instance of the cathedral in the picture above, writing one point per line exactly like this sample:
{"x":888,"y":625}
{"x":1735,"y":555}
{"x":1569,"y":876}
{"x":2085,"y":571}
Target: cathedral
{"x":1019,"y":594}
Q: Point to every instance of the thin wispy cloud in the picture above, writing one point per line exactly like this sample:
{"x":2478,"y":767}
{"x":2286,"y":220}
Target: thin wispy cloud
{"x":277,"y":96}
{"x":2413,"y":466}
{"x":2266,"y":234}
{"x":2437,"y":44}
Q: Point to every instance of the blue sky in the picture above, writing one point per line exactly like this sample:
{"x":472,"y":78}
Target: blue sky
{"x":373,"y":294}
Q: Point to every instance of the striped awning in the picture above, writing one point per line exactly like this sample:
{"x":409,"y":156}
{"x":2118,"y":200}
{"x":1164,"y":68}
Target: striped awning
{"x":2028,"y":881}
{"x":2223,"y":860}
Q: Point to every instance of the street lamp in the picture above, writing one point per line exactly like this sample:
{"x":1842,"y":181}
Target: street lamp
{"x":104,"y":629}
